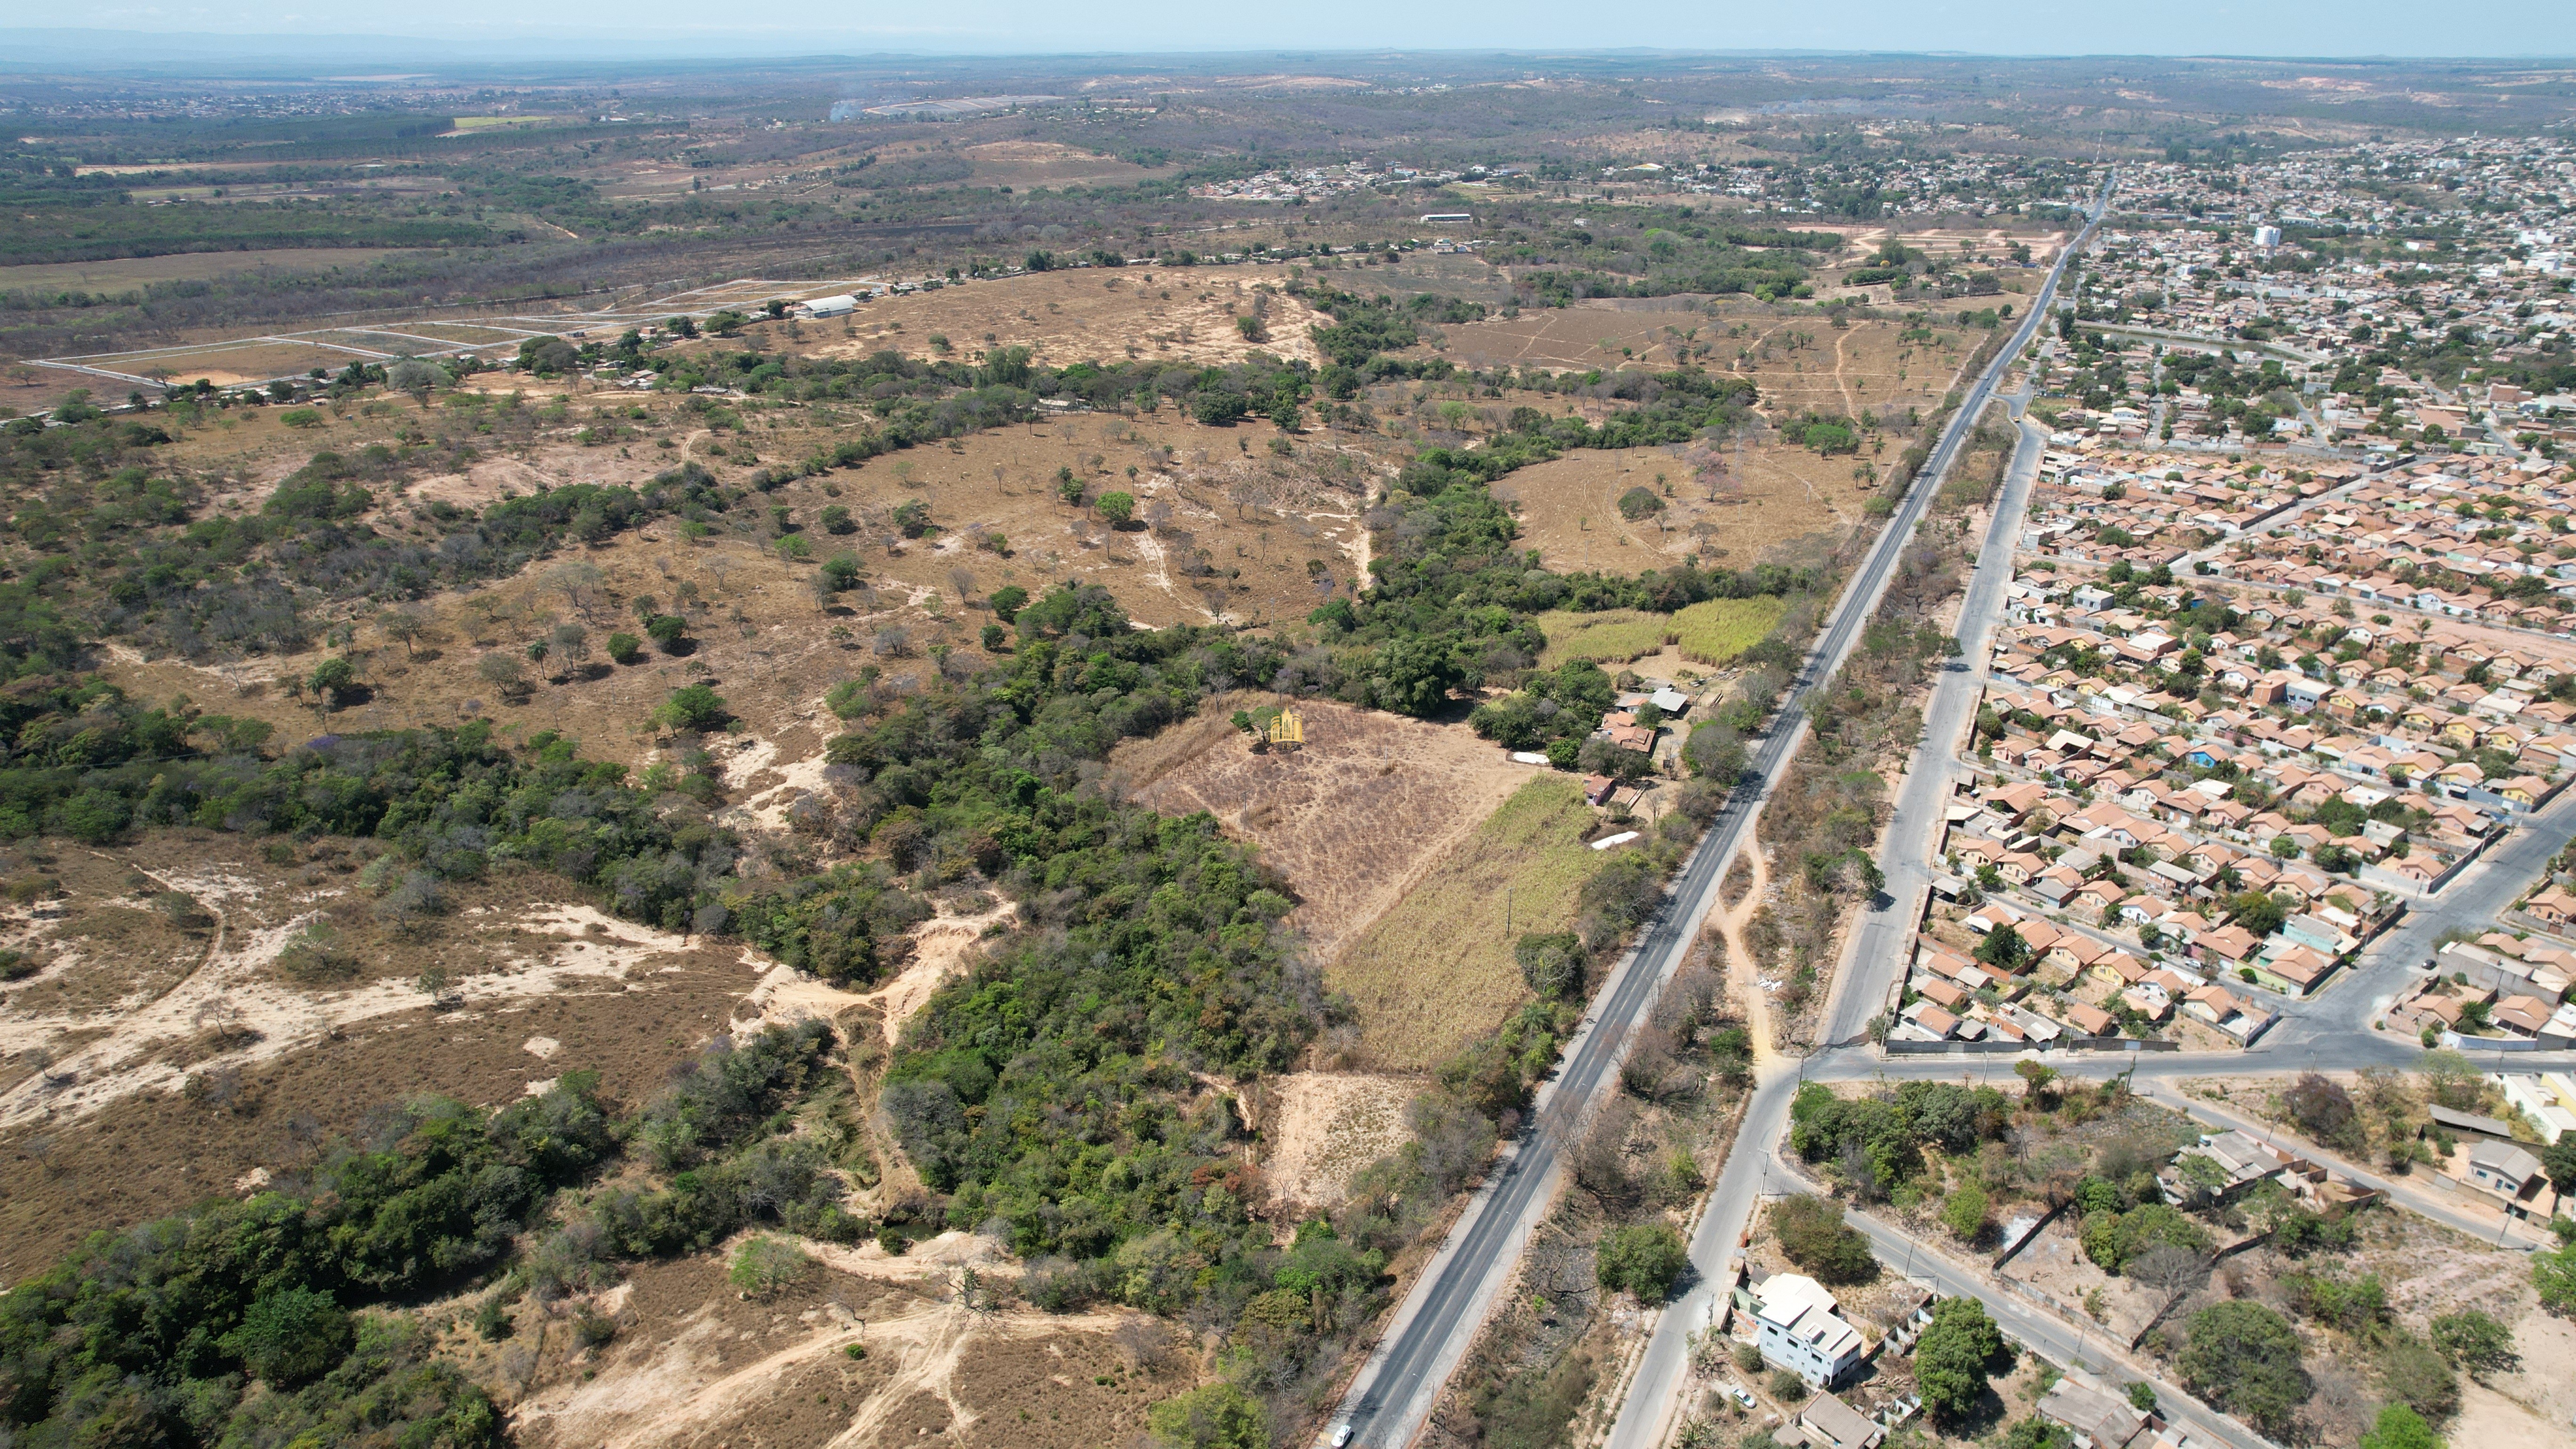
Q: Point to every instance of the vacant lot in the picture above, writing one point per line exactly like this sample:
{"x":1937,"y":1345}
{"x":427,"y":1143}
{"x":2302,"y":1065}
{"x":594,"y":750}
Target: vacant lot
{"x":1766,"y":499}
{"x":1353,"y":817}
{"x":1318,"y":1129}
{"x":1167,"y":314}
{"x":1438,"y":970}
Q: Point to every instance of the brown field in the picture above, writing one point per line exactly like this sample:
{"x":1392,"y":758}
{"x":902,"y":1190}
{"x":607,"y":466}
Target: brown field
{"x":1028,"y":165}
{"x":188,"y":267}
{"x":226,"y":364}
{"x":127,"y":1005}
{"x":1569,"y":508}
{"x":1166,"y":314}
{"x":1353,"y":818}
{"x":1586,"y":335}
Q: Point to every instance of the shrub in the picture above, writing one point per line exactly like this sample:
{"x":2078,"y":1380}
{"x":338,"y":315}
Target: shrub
{"x":2413,"y":1374}
{"x":2399,"y":1427}
{"x":301,"y":417}
{"x":1787,"y":1387}
{"x":2475,"y":1342}
{"x":625,"y":648}
{"x":1965,"y":1213}
{"x":1644,"y":1258}
{"x":1116,"y":507}
{"x":1218,"y":1416}
{"x":1812,"y":1233}
{"x":764,"y":1267}
{"x":1639,"y":503}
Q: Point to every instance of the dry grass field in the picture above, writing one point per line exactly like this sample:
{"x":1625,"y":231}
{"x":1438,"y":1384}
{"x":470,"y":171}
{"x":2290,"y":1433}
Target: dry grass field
{"x":1586,"y":335}
{"x":1438,"y":970}
{"x":1163,"y":314}
{"x":1353,"y":817}
{"x":136,"y":272}
{"x":1569,"y":507}
{"x":1710,"y":633}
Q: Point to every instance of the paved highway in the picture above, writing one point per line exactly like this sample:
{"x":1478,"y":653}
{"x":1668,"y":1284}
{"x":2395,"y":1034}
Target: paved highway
{"x":1862,"y":988}
{"x":1391,"y":1397}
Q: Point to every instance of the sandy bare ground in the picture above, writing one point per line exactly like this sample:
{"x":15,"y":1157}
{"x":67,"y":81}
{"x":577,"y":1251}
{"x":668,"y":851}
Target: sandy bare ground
{"x":1350,"y":818}
{"x":102,"y":1057}
{"x":693,"y":1379}
{"x":1320,"y":1128}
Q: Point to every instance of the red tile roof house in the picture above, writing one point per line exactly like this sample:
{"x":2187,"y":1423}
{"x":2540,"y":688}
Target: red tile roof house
{"x":2553,"y":905}
{"x":2090,"y":1020}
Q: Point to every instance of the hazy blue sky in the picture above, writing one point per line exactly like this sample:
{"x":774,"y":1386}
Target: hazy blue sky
{"x":2244,"y":27}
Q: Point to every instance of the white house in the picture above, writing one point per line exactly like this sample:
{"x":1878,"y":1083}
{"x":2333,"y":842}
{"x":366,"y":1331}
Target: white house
{"x":1803,"y":1331}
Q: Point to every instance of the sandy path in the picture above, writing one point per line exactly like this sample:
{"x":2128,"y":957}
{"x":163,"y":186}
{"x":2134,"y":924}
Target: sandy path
{"x":1743,"y":979}
{"x":940,"y":947}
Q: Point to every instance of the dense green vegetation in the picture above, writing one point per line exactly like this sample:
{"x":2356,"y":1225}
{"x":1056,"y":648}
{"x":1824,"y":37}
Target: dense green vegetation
{"x":1877,"y":1142}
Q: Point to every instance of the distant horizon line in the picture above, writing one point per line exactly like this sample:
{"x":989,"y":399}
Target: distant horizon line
{"x":714,"y":45}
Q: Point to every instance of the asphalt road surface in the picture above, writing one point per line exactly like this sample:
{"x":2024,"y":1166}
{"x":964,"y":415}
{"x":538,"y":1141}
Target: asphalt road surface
{"x":1392,"y":1395}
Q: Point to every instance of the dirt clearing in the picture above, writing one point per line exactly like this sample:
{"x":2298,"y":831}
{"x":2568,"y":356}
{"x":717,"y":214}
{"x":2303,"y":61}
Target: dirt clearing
{"x":1569,"y":507}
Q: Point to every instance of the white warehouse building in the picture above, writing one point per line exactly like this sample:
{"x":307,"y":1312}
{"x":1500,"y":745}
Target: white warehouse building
{"x":839,"y":306}
{"x":1803,"y":1330}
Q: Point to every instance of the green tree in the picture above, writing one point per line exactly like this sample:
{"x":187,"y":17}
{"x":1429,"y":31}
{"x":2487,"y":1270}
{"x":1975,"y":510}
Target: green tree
{"x":1007,"y":601}
{"x":1412,"y":675}
{"x":1952,"y":1358}
{"x":291,"y":1336}
{"x":332,"y":681}
{"x":2003,"y":949}
{"x":1219,"y":1416}
{"x":1644,"y":1258}
{"x":2244,"y":1358}
{"x":1117,"y":507}
{"x":692,"y":707}
{"x":625,"y":648}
